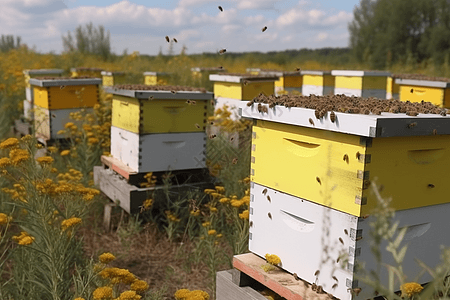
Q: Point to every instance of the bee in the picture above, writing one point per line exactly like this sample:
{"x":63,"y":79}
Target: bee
{"x":296,"y":276}
{"x":251,"y":223}
{"x":319,"y":290}
{"x":264,"y":191}
{"x":358,"y":155}
{"x":62,"y":86}
{"x":434,"y":131}
{"x":317,"y":273}
{"x":231,"y":139}
{"x":431,"y":185}
{"x":365,"y":217}
{"x":332,"y":116}
{"x":213,"y":103}
{"x":334,"y":286}
{"x":359,"y":238}
{"x":188,"y":101}
{"x":269,"y":215}
{"x":220,"y":67}
{"x":341,"y":240}
{"x":175,"y":40}
{"x":196,"y":125}
{"x":264,"y":28}
{"x":220,"y":8}
{"x":314,"y":287}
{"x":193,"y":102}
{"x":443,"y":113}
{"x":173,"y":92}
{"x":268,"y":198}
{"x":167,"y":38}
{"x":335,"y":278}
{"x":297,"y":69}
{"x":356,"y":291}
{"x":222,"y":51}
{"x":245,"y":83}
{"x":412,"y":113}
{"x":150,"y":98}
{"x":235,"y":160}
{"x":338,"y":259}
{"x":317,"y":114}
{"x":411,"y":125}
{"x":345,"y":158}
{"x":212,"y":136}
{"x":318,"y":180}
{"x":53,"y":116}
{"x":211,"y":123}
{"x":412,"y":90}
{"x":311,"y":121}
{"x":345,"y":231}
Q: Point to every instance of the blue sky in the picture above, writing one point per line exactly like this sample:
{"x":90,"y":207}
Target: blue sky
{"x":138,"y":25}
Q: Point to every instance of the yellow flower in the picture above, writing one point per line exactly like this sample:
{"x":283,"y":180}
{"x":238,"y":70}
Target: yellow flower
{"x":70,"y":222}
{"x":52,"y":149}
{"x":23,"y":239}
{"x":9,"y":143}
{"x":181,"y":294}
{"x":411,"y":288}
{"x":224,"y":200}
{"x":147,"y":204}
{"x":92,"y":141}
{"x":44,"y":160}
{"x":4,"y":162}
{"x":104,"y":292}
{"x":139,"y":286}
{"x":129,"y":295}
{"x":237,"y":203}
{"x":206,"y":224}
{"x":244,"y":215}
{"x":26,"y":138}
{"x":213,"y":209}
{"x":69,"y":125}
{"x":79,"y":298}
{"x":18,"y":155}
{"x":212,"y":232}
{"x":220,"y":189}
{"x":3,"y":219}
{"x":195,"y":213}
{"x":54,"y":170}
{"x":61,"y":132}
{"x":209,"y":191}
{"x":273,"y":259}
{"x":65,"y":152}
{"x":106,"y":257}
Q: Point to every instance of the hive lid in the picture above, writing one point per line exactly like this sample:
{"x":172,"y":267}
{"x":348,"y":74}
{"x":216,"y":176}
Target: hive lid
{"x":359,"y":73}
{"x":248,"y":70}
{"x":43,"y":71}
{"x":155,"y":93}
{"x":280,"y":73}
{"x":199,"y":69}
{"x":315,"y":72}
{"x":111,"y":73}
{"x":427,"y":83}
{"x":240,"y":78}
{"x":155,"y":73}
{"x":85,"y":69}
{"x":64,"y":81}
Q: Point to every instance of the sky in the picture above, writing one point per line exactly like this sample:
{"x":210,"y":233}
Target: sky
{"x":141,"y":25}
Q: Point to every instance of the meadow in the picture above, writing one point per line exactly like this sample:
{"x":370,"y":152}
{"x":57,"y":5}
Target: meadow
{"x":52,"y":242}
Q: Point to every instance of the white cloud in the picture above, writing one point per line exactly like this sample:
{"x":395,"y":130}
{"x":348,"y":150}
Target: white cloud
{"x":321,"y":36}
{"x":287,"y":38}
{"x":254,"y":20}
{"x":257,"y":4}
{"x":186,"y":3}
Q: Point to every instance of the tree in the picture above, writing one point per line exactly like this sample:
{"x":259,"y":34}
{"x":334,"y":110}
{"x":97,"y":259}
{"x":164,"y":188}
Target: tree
{"x":7,"y":43}
{"x":89,"y":40}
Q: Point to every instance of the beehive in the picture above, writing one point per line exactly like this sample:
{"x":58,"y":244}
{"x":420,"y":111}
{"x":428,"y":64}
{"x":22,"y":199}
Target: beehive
{"x":48,"y":122}
{"x":393,"y":89}
{"x":200,"y":72}
{"x":417,"y":88}
{"x":253,"y":71}
{"x":112,"y":78}
{"x":361,"y":83}
{"x":332,"y":163}
{"x":309,"y":237}
{"x":65,"y":93}
{"x":318,"y":83}
{"x":84,"y":71}
{"x":159,"y":109}
{"x":287,"y":81}
{"x":155,"y":78}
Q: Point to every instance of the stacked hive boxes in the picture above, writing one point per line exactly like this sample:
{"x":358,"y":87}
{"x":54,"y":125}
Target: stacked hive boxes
{"x":200,"y":72}
{"x":28,"y":102}
{"x":393,"y":89}
{"x":287,"y":81}
{"x":112,"y":78}
{"x":418,"y":88}
{"x":253,"y":71}
{"x":310,"y":196}
{"x":361,"y":83}
{"x":232,"y":88}
{"x":319,"y":83}
{"x":86,"y":72}
{"x":156,"y":78}
{"x":56,"y":98}
{"x":159,"y":128}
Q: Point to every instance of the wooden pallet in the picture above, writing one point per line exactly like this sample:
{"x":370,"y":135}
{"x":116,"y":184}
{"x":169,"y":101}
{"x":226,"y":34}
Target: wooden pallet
{"x":228,"y":289}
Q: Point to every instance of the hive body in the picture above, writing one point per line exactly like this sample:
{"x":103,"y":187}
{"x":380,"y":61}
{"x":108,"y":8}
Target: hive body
{"x":361,"y":83}
{"x":319,"y":83}
{"x":89,"y":72}
{"x":413,"y":90}
{"x":112,"y":78}
{"x":393,"y":89}
{"x":287,"y":81}
{"x":155,"y":78}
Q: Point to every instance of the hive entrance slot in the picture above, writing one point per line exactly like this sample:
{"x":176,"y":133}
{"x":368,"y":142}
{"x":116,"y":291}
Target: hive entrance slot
{"x":425,"y":156}
{"x":300,"y":148}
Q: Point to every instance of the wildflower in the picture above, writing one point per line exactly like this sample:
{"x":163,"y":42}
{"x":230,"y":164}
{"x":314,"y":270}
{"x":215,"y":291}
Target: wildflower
{"x":181,"y":294}
{"x":129,"y":295}
{"x":139,"y":286}
{"x":237,"y":203}
{"x":147,"y":204}
{"x":65,"y":152}
{"x":18,"y":155}
{"x":209,"y":191}
{"x":216,"y":195}
{"x":206,"y":224}
{"x":195,"y":213}
{"x":219,"y":235}
{"x":4,"y":219}
{"x":61,"y":132}
{"x":9,"y":143}
{"x":220,"y":189}
{"x":224,"y":200}
{"x":69,"y":125}
{"x":4,"y":162}
{"x":171,"y":216}
{"x":23,"y":239}
{"x":92,"y":141}
{"x":246,"y":180}
{"x":213,"y":209}
{"x":106,"y":258}
{"x":70,"y":222}
{"x":246,"y":200}
{"x":411,"y":288}
{"x":244,"y":215}
{"x":26,"y":138}
{"x":52,"y":149}
{"x":44,"y":160}
{"x":212,"y":232}
{"x":273,"y":259}
{"x":104,"y":292}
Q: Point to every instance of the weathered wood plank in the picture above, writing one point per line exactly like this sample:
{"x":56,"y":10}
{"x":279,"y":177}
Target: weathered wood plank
{"x":227,"y":290}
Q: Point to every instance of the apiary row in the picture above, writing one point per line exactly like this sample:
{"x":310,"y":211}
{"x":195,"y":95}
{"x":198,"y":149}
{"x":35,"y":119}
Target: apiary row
{"x":310,"y":195}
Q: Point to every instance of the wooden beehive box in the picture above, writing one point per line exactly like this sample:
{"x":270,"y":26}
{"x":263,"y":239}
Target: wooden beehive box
{"x":156,"y":78}
{"x":332,"y":163}
{"x":253,"y":71}
{"x":287,"y":81}
{"x":361,"y":83}
{"x":65,"y":93}
{"x":417,"y":88}
{"x":308,"y":237}
{"x":85,"y":71}
{"x":318,"y":83}
{"x":112,"y":78}
{"x":143,"y":109}
{"x":38,"y":73}
{"x":198,"y":72}
{"x":393,"y":89}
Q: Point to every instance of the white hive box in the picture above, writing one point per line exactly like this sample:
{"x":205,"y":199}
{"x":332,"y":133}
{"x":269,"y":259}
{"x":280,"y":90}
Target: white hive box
{"x":299,"y":231}
{"x":319,"y":83}
{"x":158,"y":152}
{"x":361,"y":83}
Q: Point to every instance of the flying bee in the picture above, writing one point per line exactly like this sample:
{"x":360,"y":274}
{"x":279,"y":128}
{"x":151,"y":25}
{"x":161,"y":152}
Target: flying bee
{"x":334,"y":286}
{"x":431,"y":185}
{"x":269,"y":215}
{"x":53,"y":116}
{"x":317,"y":273}
{"x":338,"y":259}
{"x":188,"y":101}
{"x":175,"y":40}
{"x":332,"y":116}
{"x":150,"y":98}
{"x":212,"y":136}
{"x":235,"y":160}
{"x":297,"y":69}
{"x":213,"y":103}
{"x":365,"y":217}
{"x":196,"y":125}
{"x":173,"y":92}
{"x":411,"y":125}
{"x":220,"y":67}
{"x":345,"y":158}
{"x":345,"y":231}
{"x":341,"y":240}
{"x":211,"y":123}
{"x":318,"y":180}
{"x":311,"y":121}
{"x":62,"y":86}
{"x":220,"y":8}
{"x":167,"y":38}
{"x":222,"y":51}
{"x":264,"y":28}
{"x":264,"y":191}
{"x":359,"y":238}
{"x":231,"y":139}
{"x":268,"y":198}
{"x":434,"y":131}
{"x":335,"y":278}
{"x":412,"y":91}
{"x":193,"y":102}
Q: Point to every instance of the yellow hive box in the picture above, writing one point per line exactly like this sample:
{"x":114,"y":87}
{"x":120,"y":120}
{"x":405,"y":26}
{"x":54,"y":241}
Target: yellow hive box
{"x":83,"y":71}
{"x":287,"y":81}
{"x":200,"y":72}
{"x":332,"y":164}
{"x":414,"y":90}
{"x":319,"y":83}
{"x":159,"y":111}
{"x":242,"y":86}
{"x":112,"y":78}
{"x":156,"y":78}
{"x":361,"y":83}
{"x":393,"y":89}
{"x":28,"y":74}
{"x":253,"y":71}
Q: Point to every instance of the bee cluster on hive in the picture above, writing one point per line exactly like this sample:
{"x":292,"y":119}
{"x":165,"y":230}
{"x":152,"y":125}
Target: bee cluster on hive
{"x":168,"y":88}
